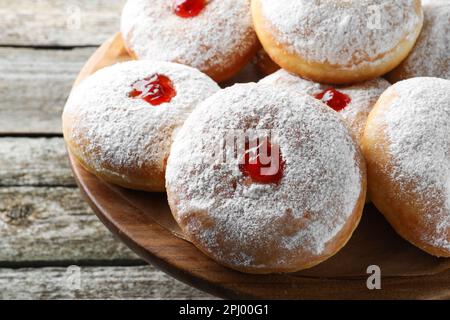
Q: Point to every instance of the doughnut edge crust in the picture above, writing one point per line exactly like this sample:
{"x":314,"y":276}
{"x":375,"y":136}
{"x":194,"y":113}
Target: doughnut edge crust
{"x":325,"y":72}
{"x":301,"y":261}
{"x":126,"y":141}
{"x":208,"y":55}
{"x":385,"y":192}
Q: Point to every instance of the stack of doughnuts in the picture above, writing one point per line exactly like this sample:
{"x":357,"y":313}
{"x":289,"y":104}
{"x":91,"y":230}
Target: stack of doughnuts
{"x":271,"y":176}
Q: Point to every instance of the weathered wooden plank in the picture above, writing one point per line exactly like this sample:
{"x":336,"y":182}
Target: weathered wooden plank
{"x":40,"y":221}
{"x":53,"y":224}
{"x":34,"y":162}
{"x":34,"y":86}
{"x":58,"y":22}
{"x":145,"y":282}
{"x":94,"y":283}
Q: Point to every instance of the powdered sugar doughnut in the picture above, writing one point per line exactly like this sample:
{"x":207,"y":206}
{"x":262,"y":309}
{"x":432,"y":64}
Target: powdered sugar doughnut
{"x":265,"y":180}
{"x":353,"y":103}
{"x":214,"y":36}
{"x":120,"y":122}
{"x":431,"y":54}
{"x":407,"y":148}
{"x":333,"y":41}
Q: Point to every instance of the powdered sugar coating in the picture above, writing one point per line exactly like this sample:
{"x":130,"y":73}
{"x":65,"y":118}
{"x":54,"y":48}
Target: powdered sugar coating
{"x":418,"y":128}
{"x":431,"y":55}
{"x":120,"y":135}
{"x":222,"y":32}
{"x":344,"y":33}
{"x":236,"y":222}
{"x":363,"y":96}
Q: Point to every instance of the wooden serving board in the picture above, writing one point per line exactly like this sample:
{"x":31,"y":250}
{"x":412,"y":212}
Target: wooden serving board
{"x":144,"y":222}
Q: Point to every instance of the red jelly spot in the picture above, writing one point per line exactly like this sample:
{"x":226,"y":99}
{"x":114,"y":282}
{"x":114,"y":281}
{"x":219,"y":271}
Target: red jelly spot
{"x":188,"y":8}
{"x":156,"y":90}
{"x":263,"y":162}
{"x":334,"y":99}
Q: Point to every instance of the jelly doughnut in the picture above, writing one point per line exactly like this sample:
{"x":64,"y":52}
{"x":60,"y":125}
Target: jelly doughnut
{"x":265,"y":180}
{"x":119,"y":123}
{"x":353,"y":102}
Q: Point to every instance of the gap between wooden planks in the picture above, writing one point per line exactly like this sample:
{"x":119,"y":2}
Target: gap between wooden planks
{"x":43,"y":220}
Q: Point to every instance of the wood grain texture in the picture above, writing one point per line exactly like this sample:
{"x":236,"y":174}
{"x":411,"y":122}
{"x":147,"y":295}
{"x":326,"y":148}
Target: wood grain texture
{"x":96,"y":283}
{"x":34,"y":86}
{"x":42,"y":215}
{"x":44,"y":221}
{"x":58,"y":22}
{"x":34,"y":162}
{"x":53,"y":224}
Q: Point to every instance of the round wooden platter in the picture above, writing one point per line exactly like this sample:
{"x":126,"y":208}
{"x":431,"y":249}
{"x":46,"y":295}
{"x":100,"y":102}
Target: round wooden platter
{"x":144,"y":222}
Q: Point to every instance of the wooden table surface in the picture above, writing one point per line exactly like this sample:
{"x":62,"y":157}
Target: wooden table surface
{"x":45,"y":225}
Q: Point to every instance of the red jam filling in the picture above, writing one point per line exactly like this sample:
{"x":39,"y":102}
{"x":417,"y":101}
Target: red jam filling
{"x":156,"y":89}
{"x":188,"y":8}
{"x":263,"y":162}
{"x":334,"y":99}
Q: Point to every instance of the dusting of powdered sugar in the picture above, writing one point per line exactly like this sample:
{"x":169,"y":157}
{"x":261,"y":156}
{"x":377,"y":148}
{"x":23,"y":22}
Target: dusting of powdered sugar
{"x":233,"y":220}
{"x":363,"y":96}
{"x":117,"y":132}
{"x":345,"y":33}
{"x":418,"y":129}
{"x":219,"y":34}
{"x":431,"y":55}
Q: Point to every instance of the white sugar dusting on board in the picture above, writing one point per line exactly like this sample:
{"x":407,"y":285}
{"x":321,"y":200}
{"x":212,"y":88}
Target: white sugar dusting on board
{"x":363,"y":96}
{"x":342,"y":32}
{"x":112,"y":128}
{"x":233,"y":219}
{"x":223,"y":30}
{"x":418,"y":128}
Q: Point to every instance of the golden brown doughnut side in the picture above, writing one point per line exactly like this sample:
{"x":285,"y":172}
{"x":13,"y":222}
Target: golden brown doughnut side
{"x":401,"y":210}
{"x":430,"y":55}
{"x":148,"y":178}
{"x":219,"y":74}
{"x":124,"y":140}
{"x":324,"y":72}
{"x":307,"y":260}
{"x":129,"y":50}
{"x":266,"y":256}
